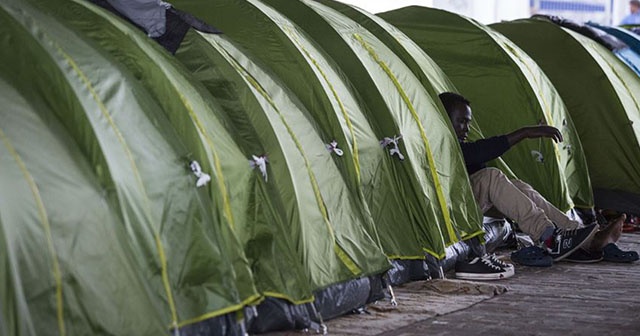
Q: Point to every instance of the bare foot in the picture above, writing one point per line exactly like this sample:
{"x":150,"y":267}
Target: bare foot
{"x":610,"y":234}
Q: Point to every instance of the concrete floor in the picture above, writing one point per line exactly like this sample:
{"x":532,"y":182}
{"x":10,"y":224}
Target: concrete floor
{"x":565,"y":299}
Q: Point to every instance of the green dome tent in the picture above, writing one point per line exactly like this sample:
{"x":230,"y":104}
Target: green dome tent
{"x":432,"y":79}
{"x":111,"y":225}
{"x":605,"y":106}
{"x":139,"y":118}
{"x":97,"y":171}
{"x":307,"y":171}
{"x":307,"y":71}
{"x":399,"y":104}
{"x":505,"y":85}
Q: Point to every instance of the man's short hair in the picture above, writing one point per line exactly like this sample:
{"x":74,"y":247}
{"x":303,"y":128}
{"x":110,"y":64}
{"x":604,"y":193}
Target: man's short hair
{"x":450,"y":100}
{"x":635,"y":3}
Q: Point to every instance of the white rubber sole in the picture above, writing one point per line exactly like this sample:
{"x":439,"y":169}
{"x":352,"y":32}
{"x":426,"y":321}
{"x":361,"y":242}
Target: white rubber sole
{"x":484,"y":276}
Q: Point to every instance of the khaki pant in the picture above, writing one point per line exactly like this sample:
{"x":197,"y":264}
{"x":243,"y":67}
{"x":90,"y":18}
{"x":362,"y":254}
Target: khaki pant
{"x":518,"y":201}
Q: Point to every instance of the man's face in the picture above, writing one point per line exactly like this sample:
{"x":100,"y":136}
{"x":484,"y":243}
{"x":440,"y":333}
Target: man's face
{"x":461,"y":119}
{"x":633,"y":8}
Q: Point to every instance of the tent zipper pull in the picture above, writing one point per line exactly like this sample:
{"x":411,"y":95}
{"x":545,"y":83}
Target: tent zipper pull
{"x":393,"y":141}
{"x":333,"y":147}
{"x":261,"y":163}
{"x":203,"y":178}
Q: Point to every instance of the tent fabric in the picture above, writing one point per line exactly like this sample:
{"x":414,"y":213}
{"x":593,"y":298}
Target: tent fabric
{"x":143,"y":182}
{"x":135,"y":202}
{"x":138,"y":117}
{"x":604,"y":107}
{"x":433,"y":79}
{"x":175,"y":25}
{"x":148,"y":14}
{"x":632,"y":40}
{"x":398,"y":104}
{"x":327,"y":99}
{"x":329,"y":96}
{"x":560,"y":172}
{"x":309,"y":167}
{"x":607,"y":40}
{"x":630,"y":57}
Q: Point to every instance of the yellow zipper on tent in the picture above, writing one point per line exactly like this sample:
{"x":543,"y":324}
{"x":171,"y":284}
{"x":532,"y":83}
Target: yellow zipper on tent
{"x":432,"y":167}
{"x":105,"y":113}
{"x":346,"y":260}
{"x":343,"y":110}
{"x":47,"y":228}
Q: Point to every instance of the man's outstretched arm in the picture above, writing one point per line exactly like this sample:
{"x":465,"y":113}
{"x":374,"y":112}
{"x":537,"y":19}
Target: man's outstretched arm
{"x":534,"y":132}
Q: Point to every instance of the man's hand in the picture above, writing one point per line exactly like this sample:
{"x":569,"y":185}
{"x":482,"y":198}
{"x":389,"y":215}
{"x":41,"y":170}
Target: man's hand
{"x":534,"y":132}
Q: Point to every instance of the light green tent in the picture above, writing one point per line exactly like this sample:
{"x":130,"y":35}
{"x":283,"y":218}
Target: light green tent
{"x":397,"y":103}
{"x":108,"y":224}
{"x":507,"y":90}
{"x":412,"y":193}
{"x":269,"y":118}
{"x":430,"y":75}
{"x":601,"y":94}
{"x":104,"y":229}
{"x":135,"y":118}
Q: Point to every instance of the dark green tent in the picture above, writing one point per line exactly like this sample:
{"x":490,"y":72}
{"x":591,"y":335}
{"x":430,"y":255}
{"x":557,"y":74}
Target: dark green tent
{"x":605,"y":106}
{"x":504,"y":84}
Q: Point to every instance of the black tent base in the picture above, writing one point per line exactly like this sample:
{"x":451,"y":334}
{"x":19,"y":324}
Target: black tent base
{"x":225,"y":325}
{"x":275,"y":314}
{"x":404,"y":271}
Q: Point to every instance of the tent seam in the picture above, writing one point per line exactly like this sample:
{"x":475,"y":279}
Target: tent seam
{"x":314,"y":183}
{"x":432,"y":168}
{"x":345,"y":115}
{"x":123,"y":142}
{"x":47,"y":227}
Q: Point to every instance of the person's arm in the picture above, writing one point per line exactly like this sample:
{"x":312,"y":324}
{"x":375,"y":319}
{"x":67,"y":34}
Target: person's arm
{"x":483,"y":150}
{"x":534,"y":132}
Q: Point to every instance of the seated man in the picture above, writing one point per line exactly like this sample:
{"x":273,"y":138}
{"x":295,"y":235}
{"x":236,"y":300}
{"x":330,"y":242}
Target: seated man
{"x":558,"y":234}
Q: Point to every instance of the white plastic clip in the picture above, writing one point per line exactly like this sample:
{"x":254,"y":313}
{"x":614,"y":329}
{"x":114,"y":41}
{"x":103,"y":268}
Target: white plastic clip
{"x":333,"y":147}
{"x":568,"y":148}
{"x":203,"y":178}
{"x":393,"y":141}
{"x":261,"y":163}
{"x":538,"y":156}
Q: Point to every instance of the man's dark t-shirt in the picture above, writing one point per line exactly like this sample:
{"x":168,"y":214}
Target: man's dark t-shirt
{"x":476,"y":154}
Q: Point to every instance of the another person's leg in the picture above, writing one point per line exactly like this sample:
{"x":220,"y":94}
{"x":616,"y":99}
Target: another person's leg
{"x":609,"y":234}
{"x":554,"y":214}
{"x":492,"y":188}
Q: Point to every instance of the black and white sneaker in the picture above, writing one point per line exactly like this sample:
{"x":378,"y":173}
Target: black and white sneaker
{"x":480,"y":269}
{"x":565,"y":242}
{"x":509,"y":268}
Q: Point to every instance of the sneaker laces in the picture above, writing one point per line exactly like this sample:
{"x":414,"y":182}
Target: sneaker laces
{"x":488,"y":262}
{"x":567,"y":232}
{"x":496,"y":261}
